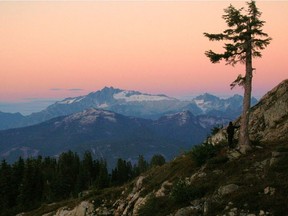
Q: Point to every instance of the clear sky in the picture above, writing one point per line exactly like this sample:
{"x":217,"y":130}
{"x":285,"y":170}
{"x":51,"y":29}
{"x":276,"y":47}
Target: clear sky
{"x":57,"y":49}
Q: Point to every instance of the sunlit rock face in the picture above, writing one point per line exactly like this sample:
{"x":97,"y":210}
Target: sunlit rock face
{"x":268,"y":118}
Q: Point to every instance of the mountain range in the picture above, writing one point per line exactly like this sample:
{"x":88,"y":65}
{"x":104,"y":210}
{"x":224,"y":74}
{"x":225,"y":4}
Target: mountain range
{"x":114,"y":123}
{"x":129,"y":103}
{"x":107,"y":135}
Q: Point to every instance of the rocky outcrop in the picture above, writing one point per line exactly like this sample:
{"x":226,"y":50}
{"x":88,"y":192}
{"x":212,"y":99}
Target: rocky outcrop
{"x":163,"y":190}
{"x":129,"y":205}
{"x":85,"y":208}
{"x":268,"y":119}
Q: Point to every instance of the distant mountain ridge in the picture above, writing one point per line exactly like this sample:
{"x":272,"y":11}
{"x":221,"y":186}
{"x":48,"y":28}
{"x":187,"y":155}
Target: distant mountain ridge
{"x":9,"y":120}
{"x":131,"y":103}
{"x":108,"y":135}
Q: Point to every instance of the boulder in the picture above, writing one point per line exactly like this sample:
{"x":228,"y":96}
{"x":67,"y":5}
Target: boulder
{"x":227,"y":189}
{"x":163,"y":190}
{"x":83,"y":209}
{"x":233,"y":154}
{"x":187,"y":211}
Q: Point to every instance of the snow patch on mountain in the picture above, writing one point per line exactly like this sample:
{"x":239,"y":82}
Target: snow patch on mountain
{"x":71,"y":100}
{"x":181,"y":117}
{"x":89,"y":116}
{"x":103,"y":105}
{"x":129,"y":96}
{"x":210,"y":121}
{"x":184,"y":118}
{"x":202,"y":104}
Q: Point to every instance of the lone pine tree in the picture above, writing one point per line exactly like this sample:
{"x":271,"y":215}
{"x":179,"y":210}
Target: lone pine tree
{"x":245,"y":41}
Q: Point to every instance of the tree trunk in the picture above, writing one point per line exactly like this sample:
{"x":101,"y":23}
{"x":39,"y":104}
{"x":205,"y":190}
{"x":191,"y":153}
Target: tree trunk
{"x":244,"y":141}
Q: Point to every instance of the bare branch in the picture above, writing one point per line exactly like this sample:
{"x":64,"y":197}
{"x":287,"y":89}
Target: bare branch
{"x":238,"y":81}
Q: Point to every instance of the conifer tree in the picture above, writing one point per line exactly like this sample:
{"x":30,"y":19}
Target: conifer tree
{"x":5,"y":186}
{"x":157,"y":160}
{"x":245,"y":41}
{"x":102,"y":178}
{"x":142,"y":164}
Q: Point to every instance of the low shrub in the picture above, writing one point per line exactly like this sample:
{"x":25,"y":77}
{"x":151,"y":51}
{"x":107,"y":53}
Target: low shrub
{"x":218,"y":160}
{"x":201,"y":153}
{"x":156,"y":206}
{"x":183,"y":193}
{"x":282,"y":149}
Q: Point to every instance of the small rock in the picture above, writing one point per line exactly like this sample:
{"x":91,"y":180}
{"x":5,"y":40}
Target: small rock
{"x":206,"y":207}
{"x":162,"y":191}
{"x":264,"y":162}
{"x":140,"y":202}
{"x":275,"y":154}
{"x":233,"y":154}
{"x":139,"y":183}
{"x":228,"y":189}
{"x":202,"y":174}
{"x":187,"y":211}
{"x":261,"y":213}
{"x":269,"y":191}
{"x":217,"y":172}
{"x":197,"y":175}
{"x":274,"y":161}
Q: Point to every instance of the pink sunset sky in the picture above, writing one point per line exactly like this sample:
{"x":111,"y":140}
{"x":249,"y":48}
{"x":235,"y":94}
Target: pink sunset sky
{"x":58,"y":49}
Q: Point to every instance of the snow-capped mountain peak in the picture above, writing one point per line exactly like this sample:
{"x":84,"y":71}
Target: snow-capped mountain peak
{"x":133,"y":96}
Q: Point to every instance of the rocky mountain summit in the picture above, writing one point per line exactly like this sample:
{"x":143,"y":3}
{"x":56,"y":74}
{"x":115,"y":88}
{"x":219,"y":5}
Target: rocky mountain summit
{"x":208,"y":180}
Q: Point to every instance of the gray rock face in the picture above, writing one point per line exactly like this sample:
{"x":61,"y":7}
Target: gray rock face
{"x":83,"y":209}
{"x":268,"y":118}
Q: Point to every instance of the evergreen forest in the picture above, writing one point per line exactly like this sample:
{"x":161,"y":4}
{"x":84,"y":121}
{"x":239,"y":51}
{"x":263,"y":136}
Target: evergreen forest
{"x":27,"y":184}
